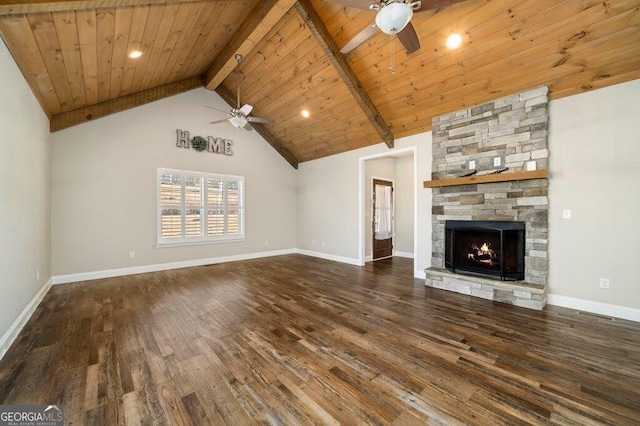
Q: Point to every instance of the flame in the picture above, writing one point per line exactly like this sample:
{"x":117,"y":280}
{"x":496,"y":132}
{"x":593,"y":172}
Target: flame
{"x":484,"y":248}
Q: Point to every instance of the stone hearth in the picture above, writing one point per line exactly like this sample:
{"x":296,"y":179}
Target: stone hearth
{"x":514,"y":127}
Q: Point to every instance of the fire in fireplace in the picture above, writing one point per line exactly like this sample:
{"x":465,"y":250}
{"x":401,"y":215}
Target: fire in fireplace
{"x":491,"y":249}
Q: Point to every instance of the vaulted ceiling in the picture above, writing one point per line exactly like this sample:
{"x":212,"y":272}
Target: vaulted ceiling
{"x":73,"y":54}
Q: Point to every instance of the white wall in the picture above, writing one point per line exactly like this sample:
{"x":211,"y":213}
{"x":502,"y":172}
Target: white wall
{"x":404,"y":205}
{"x":328,"y":201}
{"x":594,"y":144}
{"x":25,"y":232}
{"x":380,"y":168}
{"x":104,"y":186}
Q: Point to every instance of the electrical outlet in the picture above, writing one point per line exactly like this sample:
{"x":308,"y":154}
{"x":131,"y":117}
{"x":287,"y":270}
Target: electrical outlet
{"x":313,"y":242}
{"x":323,"y":244}
{"x":604,"y":283}
{"x":37,"y":274}
{"x":132,"y":255}
{"x":566,"y":214}
{"x":266,"y":242}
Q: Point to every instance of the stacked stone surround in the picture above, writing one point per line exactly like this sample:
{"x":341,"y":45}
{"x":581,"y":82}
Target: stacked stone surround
{"x":515,"y":127}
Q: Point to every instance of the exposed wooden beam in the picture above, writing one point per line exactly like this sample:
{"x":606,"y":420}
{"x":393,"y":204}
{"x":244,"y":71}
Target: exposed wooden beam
{"x":13,"y":7}
{"x":230,"y":98}
{"x":318,"y":29}
{"x":82,"y":115}
{"x":261,"y":19}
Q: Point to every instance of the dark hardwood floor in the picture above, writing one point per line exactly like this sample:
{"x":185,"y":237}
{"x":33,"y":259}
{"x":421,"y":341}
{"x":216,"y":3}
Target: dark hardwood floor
{"x":298,"y":340}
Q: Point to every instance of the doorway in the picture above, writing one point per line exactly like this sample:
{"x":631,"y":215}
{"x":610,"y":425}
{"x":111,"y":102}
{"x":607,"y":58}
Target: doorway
{"x":382,"y":219}
{"x":399,"y":166}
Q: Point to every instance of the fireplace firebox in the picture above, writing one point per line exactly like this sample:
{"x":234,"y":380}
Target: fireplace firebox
{"x":491,"y":249}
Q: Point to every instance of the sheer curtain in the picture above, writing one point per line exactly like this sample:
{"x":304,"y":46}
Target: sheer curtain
{"x":384,"y":224}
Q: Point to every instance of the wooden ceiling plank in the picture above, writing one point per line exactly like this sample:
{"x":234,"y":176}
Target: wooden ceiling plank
{"x":597,"y":82}
{"x":432,"y":28}
{"x":191,"y":52}
{"x":220,"y":35}
{"x":264,"y":16}
{"x":315,"y":25}
{"x":600,"y":68}
{"x":287,"y":78}
{"x":308,"y":57}
{"x":516,"y":50}
{"x":156,"y":30}
{"x":92,"y":112}
{"x":329,"y":130}
{"x":181,"y":18}
{"x":484,"y":90}
{"x":105,"y":21}
{"x":494,"y":85}
{"x":344,"y":23}
{"x":19,"y":38}
{"x":321,"y":103}
{"x":433,"y":56}
{"x":187,"y":37}
{"x":87,"y":36}
{"x":282,"y":45}
{"x":297,"y":126}
{"x":66,"y":29}
{"x":229,"y":98}
{"x":139,"y":20}
{"x":46,"y":36}
{"x":16,"y":7}
{"x":315,"y":98}
{"x":123,"y":25}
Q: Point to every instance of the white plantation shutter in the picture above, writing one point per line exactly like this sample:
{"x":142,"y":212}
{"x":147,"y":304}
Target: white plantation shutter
{"x":198,"y":207}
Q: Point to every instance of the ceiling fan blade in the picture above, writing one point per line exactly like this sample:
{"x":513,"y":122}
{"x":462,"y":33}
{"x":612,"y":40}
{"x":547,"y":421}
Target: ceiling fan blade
{"x":246,"y":109}
{"x":358,"y":4}
{"x":360,"y":38}
{"x":409,"y":38}
{"x":248,"y":127}
{"x":436,"y":4}
{"x":216,"y":109}
{"x":260,"y":120}
{"x":219,"y":121}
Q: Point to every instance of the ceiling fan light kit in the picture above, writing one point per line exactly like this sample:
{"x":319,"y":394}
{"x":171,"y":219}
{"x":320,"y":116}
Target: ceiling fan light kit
{"x":238,"y":121}
{"x":239,"y":117}
{"x":392,"y":18}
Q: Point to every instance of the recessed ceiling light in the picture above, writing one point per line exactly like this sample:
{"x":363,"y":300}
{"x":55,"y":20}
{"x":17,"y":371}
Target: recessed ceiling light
{"x":135,"y":54}
{"x":305,"y":113}
{"x":454,"y":41}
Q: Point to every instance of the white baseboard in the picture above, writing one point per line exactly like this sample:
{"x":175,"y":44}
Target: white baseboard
{"x":329,"y":256}
{"x":95,"y":275}
{"x":7,"y":340}
{"x":403,"y":254}
{"x":368,"y":258}
{"x":420,"y":274}
{"x":600,"y":308}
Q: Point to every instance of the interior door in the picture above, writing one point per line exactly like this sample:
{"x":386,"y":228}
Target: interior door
{"x":382,"y":219}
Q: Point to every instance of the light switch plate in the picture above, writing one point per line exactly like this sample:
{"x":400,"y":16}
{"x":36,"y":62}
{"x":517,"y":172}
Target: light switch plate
{"x":531,"y":165}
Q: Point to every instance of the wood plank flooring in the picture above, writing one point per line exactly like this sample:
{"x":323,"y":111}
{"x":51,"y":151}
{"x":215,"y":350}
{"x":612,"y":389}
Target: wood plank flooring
{"x":298,"y":340}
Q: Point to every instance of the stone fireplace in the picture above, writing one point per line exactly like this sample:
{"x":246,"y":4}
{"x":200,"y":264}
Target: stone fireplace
{"x":514,"y":128}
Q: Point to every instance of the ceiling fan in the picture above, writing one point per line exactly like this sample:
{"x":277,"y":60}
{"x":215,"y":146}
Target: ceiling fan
{"x":394,"y":18}
{"x":239,"y":116}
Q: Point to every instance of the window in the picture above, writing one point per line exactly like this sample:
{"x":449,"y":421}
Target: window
{"x":197,"y":208}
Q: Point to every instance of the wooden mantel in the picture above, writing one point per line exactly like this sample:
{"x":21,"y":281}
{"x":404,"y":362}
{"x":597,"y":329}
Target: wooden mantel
{"x":499,"y":177}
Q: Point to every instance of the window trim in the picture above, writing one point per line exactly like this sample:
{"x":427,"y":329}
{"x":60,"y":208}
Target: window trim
{"x":203,"y":239}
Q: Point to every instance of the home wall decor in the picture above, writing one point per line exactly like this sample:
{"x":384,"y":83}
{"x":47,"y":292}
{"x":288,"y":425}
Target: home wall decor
{"x":200,"y":144}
